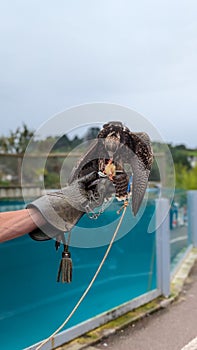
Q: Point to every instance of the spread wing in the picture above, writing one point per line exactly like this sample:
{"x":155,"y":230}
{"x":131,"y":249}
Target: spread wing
{"x":88,"y":162}
{"x":141,"y":163}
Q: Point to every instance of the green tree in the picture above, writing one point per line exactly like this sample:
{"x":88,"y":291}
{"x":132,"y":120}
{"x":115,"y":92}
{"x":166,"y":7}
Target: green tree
{"x":180,"y":155}
{"x":91,"y":133}
{"x":17,"y":140}
{"x":186,"y":179}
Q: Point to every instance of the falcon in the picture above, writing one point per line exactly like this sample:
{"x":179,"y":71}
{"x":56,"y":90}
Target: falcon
{"x":120,"y":155}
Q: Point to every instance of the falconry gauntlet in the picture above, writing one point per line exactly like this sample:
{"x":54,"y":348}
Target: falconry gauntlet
{"x":63,"y":209}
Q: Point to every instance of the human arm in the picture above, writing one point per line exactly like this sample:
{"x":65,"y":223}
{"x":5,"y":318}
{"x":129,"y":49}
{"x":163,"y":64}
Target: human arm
{"x":14,"y":224}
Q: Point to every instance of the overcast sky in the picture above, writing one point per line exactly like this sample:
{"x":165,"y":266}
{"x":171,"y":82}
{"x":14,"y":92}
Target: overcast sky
{"x":140,"y":54}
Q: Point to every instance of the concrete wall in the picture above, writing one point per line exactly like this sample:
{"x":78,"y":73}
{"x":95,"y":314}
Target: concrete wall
{"x":18,"y":192}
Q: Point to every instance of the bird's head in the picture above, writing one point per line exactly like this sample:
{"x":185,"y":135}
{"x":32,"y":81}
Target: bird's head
{"x":112,"y":134}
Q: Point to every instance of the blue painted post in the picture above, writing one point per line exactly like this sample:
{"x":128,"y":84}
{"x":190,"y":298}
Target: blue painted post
{"x":163,"y":245}
{"x":192,"y":216}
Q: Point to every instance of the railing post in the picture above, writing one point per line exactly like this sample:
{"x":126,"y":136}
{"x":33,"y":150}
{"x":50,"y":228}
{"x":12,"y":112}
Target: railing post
{"x":192,"y":216}
{"x":163,"y":245}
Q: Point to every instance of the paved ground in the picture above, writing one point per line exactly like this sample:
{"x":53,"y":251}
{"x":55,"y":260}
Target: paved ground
{"x":170,"y":329}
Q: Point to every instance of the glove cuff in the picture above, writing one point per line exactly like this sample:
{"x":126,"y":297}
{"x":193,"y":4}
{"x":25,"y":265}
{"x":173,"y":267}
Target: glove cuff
{"x":60,"y":216}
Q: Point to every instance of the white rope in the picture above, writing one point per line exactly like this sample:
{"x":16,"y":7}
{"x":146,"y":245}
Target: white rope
{"x":90,"y":284}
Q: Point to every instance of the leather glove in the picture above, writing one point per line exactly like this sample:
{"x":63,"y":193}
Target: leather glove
{"x":63,"y":209}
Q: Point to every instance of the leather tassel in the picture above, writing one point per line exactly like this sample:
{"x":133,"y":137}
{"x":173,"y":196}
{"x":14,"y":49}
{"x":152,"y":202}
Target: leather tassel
{"x":65,"y":268}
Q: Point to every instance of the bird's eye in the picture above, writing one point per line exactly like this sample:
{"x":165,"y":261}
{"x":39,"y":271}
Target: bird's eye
{"x":106,"y":125}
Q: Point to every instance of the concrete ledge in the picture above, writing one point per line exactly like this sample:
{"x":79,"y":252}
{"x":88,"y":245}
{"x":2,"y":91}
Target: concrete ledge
{"x":182,"y":273}
{"x":19,"y":192}
{"x":89,"y":339}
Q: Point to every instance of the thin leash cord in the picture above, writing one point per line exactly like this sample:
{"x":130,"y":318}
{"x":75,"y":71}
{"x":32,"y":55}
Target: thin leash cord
{"x":90,"y":284}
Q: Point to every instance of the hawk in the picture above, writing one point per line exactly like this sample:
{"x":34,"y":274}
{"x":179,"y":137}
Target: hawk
{"x":119,"y":154}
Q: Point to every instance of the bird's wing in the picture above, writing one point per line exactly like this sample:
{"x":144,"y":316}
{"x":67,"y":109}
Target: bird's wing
{"x":141,"y":163}
{"x":88,"y":162}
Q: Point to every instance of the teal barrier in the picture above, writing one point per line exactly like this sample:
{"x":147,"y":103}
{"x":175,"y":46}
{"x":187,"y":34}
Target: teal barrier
{"x":33,"y":304}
